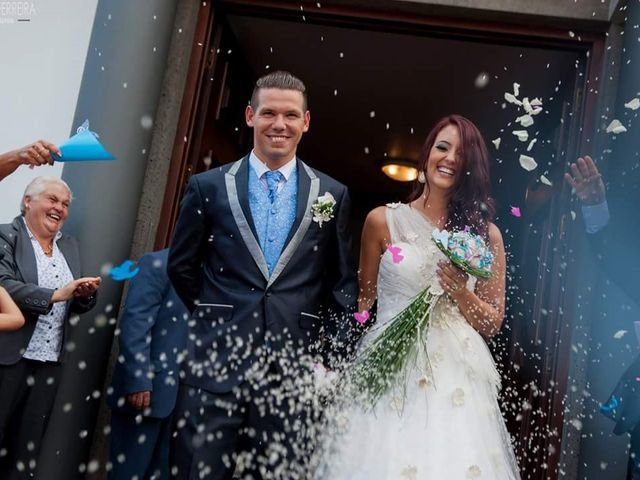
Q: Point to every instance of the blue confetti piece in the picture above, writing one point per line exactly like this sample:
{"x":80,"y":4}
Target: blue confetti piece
{"x":123,"y":271}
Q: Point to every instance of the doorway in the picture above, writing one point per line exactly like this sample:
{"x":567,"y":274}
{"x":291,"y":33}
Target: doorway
{"x":376,"y":85}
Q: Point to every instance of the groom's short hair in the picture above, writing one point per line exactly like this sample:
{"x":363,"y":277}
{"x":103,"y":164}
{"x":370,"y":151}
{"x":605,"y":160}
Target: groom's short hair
{"x":282,"y":80}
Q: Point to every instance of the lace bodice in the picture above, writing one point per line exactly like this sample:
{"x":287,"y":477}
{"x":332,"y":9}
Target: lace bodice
{"x":399,"y":283}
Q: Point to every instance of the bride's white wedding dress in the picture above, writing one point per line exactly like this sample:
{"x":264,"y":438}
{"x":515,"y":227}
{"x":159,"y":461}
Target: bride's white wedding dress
{"x":444,"y":423}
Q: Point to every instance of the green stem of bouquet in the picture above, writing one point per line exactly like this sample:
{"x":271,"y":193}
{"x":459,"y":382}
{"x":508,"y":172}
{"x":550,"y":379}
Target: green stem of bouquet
{"x":385,"y":359}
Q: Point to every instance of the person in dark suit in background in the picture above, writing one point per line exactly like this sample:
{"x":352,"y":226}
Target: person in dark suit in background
{"x":41,"y":269}
{"x":587,"y":183}
{"x":261,"y":256}
{"x":623,"y":405}
{"x":152,"y":340}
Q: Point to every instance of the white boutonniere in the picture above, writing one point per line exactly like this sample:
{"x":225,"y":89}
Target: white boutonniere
{"x":323,"y":208}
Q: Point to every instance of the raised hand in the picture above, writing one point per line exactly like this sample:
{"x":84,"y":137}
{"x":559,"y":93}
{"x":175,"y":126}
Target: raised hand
{"x":33,"y":155}
{"x":586,"y":180}
{"x":38,"y":153}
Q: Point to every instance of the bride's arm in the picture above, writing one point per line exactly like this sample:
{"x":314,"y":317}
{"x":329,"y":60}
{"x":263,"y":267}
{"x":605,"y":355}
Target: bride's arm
{"x":484,"y":309}
{"x":375,"y":237}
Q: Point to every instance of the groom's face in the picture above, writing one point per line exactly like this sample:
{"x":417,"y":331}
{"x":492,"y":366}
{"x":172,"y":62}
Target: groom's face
{"x":278,"y":121}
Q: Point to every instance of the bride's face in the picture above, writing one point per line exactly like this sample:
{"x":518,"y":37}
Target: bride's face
{"x":444,"y":165}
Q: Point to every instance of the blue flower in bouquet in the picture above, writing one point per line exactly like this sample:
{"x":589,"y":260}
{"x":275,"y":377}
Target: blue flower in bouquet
{"x":465,"y":250}
{"x":459,"y":246}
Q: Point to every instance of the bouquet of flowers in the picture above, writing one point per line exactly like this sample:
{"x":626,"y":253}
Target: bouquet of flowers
{"x":383,"y":362}
{"x":466,"y":250}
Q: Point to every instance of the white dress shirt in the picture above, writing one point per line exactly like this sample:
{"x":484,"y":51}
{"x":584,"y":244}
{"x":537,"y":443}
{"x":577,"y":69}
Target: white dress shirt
{"x":596,"y":217}
{"x":261,"y":168}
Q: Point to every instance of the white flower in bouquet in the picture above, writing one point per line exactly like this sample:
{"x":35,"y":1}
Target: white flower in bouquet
{"x":322,"y":209}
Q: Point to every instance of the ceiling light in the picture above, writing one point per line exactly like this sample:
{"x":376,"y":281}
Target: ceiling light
{"x":399,"y":169}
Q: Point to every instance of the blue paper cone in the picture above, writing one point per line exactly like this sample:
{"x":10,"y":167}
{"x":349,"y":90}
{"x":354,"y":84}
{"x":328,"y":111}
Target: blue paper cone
{"x":82,"y":147}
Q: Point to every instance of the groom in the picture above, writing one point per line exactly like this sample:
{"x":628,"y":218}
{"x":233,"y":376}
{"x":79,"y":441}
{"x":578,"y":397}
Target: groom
{"x":261,"y":256}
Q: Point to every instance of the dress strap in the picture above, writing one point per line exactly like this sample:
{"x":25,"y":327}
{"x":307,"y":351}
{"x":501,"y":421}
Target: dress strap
{"x":390,"y":215}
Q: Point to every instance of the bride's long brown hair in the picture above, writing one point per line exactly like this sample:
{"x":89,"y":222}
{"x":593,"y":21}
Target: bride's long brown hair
{"x":470,"y":203}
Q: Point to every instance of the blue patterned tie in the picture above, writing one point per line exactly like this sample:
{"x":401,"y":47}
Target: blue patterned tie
{"x":273,"y":178}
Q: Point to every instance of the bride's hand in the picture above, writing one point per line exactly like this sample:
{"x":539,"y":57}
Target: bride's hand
{"x":452,"y":279}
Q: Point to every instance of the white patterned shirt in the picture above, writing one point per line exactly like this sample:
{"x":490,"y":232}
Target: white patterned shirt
{"x":54,"y":273}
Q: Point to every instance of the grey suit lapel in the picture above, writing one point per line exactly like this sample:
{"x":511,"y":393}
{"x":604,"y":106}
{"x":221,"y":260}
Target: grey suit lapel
{"x":26,"y":258}
{"x":246,"y":232}
{"x":67,"y":246}
{"x":306,"y":198}
{"x":24,"y":255}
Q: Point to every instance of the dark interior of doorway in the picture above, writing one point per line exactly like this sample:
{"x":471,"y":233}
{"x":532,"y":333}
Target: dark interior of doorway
{"x":374,"y":95}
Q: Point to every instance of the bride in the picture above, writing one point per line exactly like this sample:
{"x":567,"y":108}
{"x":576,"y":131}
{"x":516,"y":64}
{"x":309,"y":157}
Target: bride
{"x":444,"y":422}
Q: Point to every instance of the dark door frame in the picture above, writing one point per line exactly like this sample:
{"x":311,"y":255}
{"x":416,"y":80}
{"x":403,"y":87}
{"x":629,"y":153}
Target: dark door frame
{"x":205,"y":81}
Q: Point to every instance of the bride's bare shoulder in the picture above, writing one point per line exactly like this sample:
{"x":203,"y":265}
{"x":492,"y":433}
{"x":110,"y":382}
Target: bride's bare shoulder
{"x":375,"y":226}
{"x":495,"y":236}
{"x":377,"y":217}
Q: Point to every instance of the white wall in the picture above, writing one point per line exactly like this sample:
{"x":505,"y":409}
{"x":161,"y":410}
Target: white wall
{"x":42,"y":64}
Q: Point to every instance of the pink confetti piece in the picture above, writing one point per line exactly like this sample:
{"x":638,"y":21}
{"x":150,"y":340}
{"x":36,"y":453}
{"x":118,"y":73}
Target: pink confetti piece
{"x":515,"y":211}
{"x":361,"y":317}
{"x":396,"y":256}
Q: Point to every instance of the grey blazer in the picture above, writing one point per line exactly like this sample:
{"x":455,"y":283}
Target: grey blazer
{"x":19,"y":276}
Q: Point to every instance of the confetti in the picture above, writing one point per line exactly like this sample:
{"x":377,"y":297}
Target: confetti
{"x":515,"y":211}
{"x":123,"y":271}
{"x":512,"y":99}
{"x":531,"y":143}
{"x":619,"y":334}
{"x":516,"y":89}
{"x":616,"y":127}
{"x":361,"y":317}
{"x":396,"y":256}
{"x":528,"y":163}
{"x":633,"y":104}
{"x":496,"y":142}
{"x":522,"y":135}
{"x":482,"y":80}
{"x":525,"y":120}
{"x":546,"y":181}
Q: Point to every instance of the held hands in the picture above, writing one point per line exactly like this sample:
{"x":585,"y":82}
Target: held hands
{"x":81,"y":287}
{"x":452,"y":280}
{"x":38,"y":153}
{"x":586,"y":181}
{"x":139,"y":400}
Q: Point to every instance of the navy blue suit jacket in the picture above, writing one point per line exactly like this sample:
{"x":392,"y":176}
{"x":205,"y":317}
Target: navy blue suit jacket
{"x":218,"y":269}
{"x":152,"y":340}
